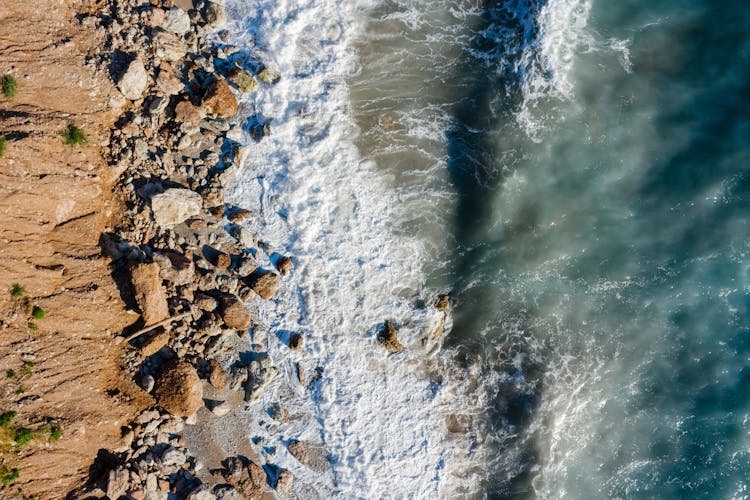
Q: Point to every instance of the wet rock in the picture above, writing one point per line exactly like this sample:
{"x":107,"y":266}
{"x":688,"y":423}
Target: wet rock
{"x":174,"y":206}
{"x":243,"y":80}
{"x":168,"y":46}
{"x":443,"y":302}
{"x":247,"y":478}
{"x":217,"y":376}
{"x":284,"y":265}
{"x":239,"y":215}
{"x":387,"y":337}
{"x":268,"y":76}
{"x":234,"y":313}
{"x":179,"y":390}
{"x":149,"y":292}
{"x":118,"y":482}
{"x":176,"y":21}
{"x":154,"y":343}
{"x":215,"y":14}
{"x":295,"y":341}
{"x":219,"y":100}
{"x":134,"y":81}
{"x":301,"y":374}
{"x":264,"y":283}
{"x":260,"y":373}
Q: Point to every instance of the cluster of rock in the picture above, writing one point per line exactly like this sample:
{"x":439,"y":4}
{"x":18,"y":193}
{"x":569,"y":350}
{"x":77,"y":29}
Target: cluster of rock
{"x":184,"y":257}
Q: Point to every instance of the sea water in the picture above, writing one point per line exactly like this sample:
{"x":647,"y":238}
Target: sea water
{"x":575,"y":174}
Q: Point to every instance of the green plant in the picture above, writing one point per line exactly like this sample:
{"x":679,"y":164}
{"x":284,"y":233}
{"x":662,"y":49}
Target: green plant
{"x":3,"y":144}
{"x":20,"y":390}
{"x":27,"y":366}
{"x":74,"y":136}
{"x":38,"y":313}
{"x":8,"y":476}
{"x":11,"y":374}
{"x":9,"y":85}
{"x":17,"y":291}
{"x":32,"y":326}
{"x":55,"y":433}
{"x":23,"y":436}
{"x":6,"y":418}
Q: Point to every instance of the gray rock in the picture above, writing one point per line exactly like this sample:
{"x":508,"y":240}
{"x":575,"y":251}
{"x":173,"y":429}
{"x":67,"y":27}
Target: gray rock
{"x":118,"y":482}
{"x":215,"y":14}
{"x":168,"y":46}
{"x":260,"y":373}
{"x":220,"y":408}
{"x":175,"y":205}
{"x":134,"y":81}
{"x":173,"y":456}
{"x":176,"y":21}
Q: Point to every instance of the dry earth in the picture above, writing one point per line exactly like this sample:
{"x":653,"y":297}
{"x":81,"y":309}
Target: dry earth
{"x":55,"y":201}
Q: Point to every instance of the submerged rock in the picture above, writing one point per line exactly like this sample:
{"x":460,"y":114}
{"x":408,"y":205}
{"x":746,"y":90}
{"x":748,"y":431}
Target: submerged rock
{"x":149,"y":292}
{"x":243,"y":80}
{"x":268,"y":76}
{"x":134,"y":81}
{"x":175,"y":206}
{"x":179,"y":390}
{"x":387,"y":337}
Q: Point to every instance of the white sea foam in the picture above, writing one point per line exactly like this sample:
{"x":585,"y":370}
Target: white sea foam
{"x":381,"y":418}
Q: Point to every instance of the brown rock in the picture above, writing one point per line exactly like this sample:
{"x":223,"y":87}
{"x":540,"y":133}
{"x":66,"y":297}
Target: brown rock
{"x":295,"y":341}
{"x":186,"y":112}
{"x":268,"y":76}
{"x":264,"y":283}
{"x":175,"y":267}
{"x":243,"y":80}
{"x":248,"y":479}
{"x":239,"y":215}
{"x":298,"y":449}
{"x":154,"y":343}
{"x":301,"y":375}
{"x":443,"y":302}
{"x":221,"y":261}
{"x":234,"y":313}
{"x":179,"y":390}
{"x":205,"y":302}
{"x":284,"y":265}
{"x":217,"y":377}
{"x":388,"y":339}
{"x":149,"y":292}
{"x":155,"y":17}
{"x":219,"y":100}
{"x":167,"y":82}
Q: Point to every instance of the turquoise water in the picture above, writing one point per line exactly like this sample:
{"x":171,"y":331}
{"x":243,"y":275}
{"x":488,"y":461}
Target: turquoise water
{"x":598,"y":255}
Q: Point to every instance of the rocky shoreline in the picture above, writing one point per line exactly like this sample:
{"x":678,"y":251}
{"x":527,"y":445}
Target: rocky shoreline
{"x":181,"y":257}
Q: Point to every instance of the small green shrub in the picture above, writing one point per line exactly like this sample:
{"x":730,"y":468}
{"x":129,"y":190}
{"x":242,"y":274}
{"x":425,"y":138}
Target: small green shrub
{"x":38,"y":313}
{"x":3,"y":145}
{"x":32,"y":326}
{"x":11,"y":374}
{"x":74,"y":136}
{"x":23,"y":436}
{"x":55,"y":433}
{"x":6,"y":418}
{"x":10,"y":86}
{"x":27,"y":366}
{"x":9,"y":476}
{"x":17,"y":291}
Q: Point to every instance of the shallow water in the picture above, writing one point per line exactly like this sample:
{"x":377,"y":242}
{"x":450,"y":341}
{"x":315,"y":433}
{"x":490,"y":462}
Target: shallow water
{"x":575,"y":173}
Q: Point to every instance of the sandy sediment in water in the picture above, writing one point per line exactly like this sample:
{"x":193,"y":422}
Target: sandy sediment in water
{"x":55,"y":202}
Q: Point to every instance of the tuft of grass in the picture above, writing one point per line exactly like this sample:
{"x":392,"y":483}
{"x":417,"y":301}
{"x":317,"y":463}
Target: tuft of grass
{"x":8,"y":476}
{"x":3,"y":145}
{"x":32,"y":325}
{"x":73,"y":136}
{"x":38,"y":313}
{"x":17,"y":291}
{"x":23,"y":436}
{"x":11,"y":374}
{"x":56,"y":433}
{"x":6,"y":419}
{"x":27,"y":367}
{"x":9,"y":85}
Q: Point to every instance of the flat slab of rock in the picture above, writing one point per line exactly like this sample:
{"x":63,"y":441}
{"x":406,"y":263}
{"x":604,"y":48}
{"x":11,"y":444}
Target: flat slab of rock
{"x":234,"y":313}
{"x":175,"y":206}
{"x":179,"y":390}
{"x":220,"y":100}
{"x":149,"y":292}
{"x":264,"y":283}
{"x":134,"y":81}
{"x":387,"y":337}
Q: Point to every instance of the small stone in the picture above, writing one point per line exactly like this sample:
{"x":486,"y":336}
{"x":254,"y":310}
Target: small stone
{"x":155,"y":17}
{"x":149,"y":292}
{"x":239,"y":215}
{"x":298,"y":449}
{"x":268,"y":76}
{"x":443,"y":302}
{"x":221,"y":408}
{"x":151,"y":483}
{"x":173,"y":456}
{"x":234,"y":313}
{"x":201,"y":493}
{"x":219,"y":100}
{"x":147,"y":383}
{"x":176,"y":21}
{"x":284,"y":265}
{"x":264,"y":283}
{"x":221,"y":260}
{"x":215,"y":14}
{"x":179,"y":390}
{"x":167,"y":82}
{"x":295,"y":341}
{"x":387,"y":337}
{"x":243,"y":80}
{"x":217,"y":377}
{"x":301,"y":375}
{"x":175,"y":267}
{"x":134,"y":81}
{"x":174,"y":206}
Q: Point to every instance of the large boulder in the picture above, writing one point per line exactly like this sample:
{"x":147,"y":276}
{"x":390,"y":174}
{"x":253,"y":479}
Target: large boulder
{"x":134,"y":81}
{"x":176,"y":21}
{"x":175,"y":206}
{"x":220,"y":100}
{"x":264,"y":283}
{"x":234,"y":313}
{"x":179,"y":390}
{"x":149,"y":292}
{"x":387,"y":337}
